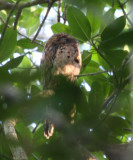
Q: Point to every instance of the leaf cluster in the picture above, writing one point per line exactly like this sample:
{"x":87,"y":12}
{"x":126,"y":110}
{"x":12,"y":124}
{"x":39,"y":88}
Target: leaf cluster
{"x":102,"y":92}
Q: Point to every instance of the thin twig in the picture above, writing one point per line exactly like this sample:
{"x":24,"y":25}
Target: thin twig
{"x":48,"y":10}
{"x":25,"y":68}
{"x":7,"y":5}
{"x":33,"y":131}
{"x":128,"y":129}
{"x":112,"y":3}
{"x":109,"y":99}
{"x":124,"y":63}
{"x":108,"y":62}
{"x":99,"y":52}
{"x":121,"y":6}
{"x":65,"y":14}
{"x":91,"y":74}
{"x":59,"y":10}
{"x":17,"y":17}
{"x":126,"y":2}
{"x":30,"y":39}
{"x":97,"y":35}
{"x":114,"y":100}
{"x":35,"y":157}
{"x":2,"y":20}
{"x":8,"y":18}
{"x":127,"y":80}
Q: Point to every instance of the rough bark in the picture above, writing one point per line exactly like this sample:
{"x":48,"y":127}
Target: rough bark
{"x":17,"y":151}
{"x":120,"y":152}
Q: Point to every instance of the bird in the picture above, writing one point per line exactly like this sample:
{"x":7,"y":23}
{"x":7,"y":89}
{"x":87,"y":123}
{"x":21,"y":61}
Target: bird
{"x":61,"y":57}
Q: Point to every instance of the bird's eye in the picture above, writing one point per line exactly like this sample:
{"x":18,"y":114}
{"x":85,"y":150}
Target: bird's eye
{"x":63,"y":40}
{"x":68,"y":56}
{"x":76,"y":60}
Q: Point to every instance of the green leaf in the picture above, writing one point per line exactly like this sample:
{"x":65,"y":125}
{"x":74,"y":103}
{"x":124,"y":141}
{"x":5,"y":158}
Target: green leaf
{"x":24,"y":135}
{"x":61,"y":28}
{"x":119,"y":41}
{"x":107,"y":19}
{"x":91,"y":67}
{"x":79,"y":24}
{"x":3,"y":15}
{"x":22,"y":74}
{"x":27,"y":44}
{"x":25,"y":63}
{"x":116,"y":56}
{"x":96,"y":97}
{"x":13,"y":63}
{"x":8,"y":44}
{"x":38,"y":137}
{"x":86,"y":57}
{"x":30,"y":20}
{"x":97,"y":58}
{"x":119,"y":126}
{"x":35,"y":90}
{"x":113,"y":29}
{"x":34,"y":27}
{"x":95,"y":19}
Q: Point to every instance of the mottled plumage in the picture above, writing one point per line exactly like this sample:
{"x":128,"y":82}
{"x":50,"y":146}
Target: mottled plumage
{"x":61,"y":57}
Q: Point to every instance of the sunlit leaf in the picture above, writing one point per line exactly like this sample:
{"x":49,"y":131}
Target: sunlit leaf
{"x":79,"y":24}
{"x":107,"y":18}
{"x":7,"y":46}
{"x":61,"y":28}
{"x":86,"y":57}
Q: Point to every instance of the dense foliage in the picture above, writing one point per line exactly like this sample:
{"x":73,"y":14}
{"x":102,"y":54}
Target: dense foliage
{"x":102,"y":93}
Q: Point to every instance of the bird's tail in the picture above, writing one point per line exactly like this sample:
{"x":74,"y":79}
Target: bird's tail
{"x":48,"y":128}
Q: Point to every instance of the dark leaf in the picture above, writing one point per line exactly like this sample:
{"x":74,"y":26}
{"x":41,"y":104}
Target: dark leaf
{"x":13,"y":63}
{"x":96,"y":97}
{"x":114,"y":29}
{"x":116,"y":57}
{"x":119,"y":41}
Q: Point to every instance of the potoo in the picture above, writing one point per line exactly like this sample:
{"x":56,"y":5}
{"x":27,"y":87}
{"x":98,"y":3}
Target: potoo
{"x":61,"y":57}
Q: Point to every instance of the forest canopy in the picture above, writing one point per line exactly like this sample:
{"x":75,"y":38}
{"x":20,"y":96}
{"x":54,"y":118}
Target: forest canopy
{"x":102,"y":125}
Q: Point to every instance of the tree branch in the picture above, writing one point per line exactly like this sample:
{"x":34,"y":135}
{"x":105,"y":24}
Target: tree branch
{"x":49,"y":7}
{"x":91,"y":74}
{"x":8,"y":18}
{"x":112,"y":100}
{"x":65,"y":13}
{"x":17,"y":17}
{"x":108,"y":62}
{"x":2,"y":20}
{"x":120,"y":151}
{"x":124,"y":63}
{"x":17,"y":151}
{"x":121,"y":6}
{"x":114,"y":96}
{"x":59,"y":10}
{"x":7,"y":5}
